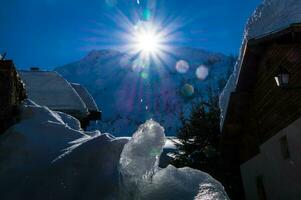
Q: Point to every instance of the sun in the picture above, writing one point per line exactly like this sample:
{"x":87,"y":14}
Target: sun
{"x":147,"y":40}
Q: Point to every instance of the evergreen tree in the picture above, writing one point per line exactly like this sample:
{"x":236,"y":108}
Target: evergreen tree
{"x":199,"y":136}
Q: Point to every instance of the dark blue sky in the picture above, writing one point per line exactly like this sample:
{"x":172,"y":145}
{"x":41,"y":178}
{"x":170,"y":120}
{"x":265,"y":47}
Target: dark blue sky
{"x":50,"y":33}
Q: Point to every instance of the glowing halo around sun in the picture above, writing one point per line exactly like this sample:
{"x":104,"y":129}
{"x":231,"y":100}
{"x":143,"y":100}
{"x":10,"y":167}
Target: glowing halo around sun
{"x":147,"y":41}
{"x":149,"y":36}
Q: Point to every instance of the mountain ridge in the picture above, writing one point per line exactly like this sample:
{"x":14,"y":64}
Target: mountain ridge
{"x":128,"y":96}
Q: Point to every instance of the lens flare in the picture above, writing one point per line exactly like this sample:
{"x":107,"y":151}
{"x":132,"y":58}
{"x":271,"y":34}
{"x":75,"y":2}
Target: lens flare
{"x":182,"y":66}
{"x":202,"y":72}
{"x":146,"y":15}
{"x":144,"y":75}
{"x":187,"y":90}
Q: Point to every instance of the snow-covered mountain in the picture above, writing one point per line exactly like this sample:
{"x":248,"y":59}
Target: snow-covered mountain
{"x":128,"y":95}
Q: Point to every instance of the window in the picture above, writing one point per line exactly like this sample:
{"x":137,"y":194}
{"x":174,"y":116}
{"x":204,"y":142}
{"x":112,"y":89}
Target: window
{"x":284,"y":147}
{"x":260,"y":188}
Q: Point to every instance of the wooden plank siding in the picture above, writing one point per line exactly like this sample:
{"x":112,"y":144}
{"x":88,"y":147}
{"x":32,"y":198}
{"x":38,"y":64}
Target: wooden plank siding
{"x":258,"y":109}
{"x":272,"y":107}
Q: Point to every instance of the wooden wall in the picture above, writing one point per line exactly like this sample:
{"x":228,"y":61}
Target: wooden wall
{"x":272,"y":108}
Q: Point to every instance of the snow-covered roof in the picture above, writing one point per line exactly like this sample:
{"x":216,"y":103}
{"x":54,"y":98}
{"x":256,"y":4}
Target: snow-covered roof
{"x":86,"y":96}
{"x":270,"y":16}
{"x":50,"y":89}
{"x":273,"y":15}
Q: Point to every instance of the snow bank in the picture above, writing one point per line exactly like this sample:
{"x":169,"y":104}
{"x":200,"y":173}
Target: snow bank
{"x":185,"y":183}
{"x":70,"y":121}
{"x":270,"y":16}
{"x":142,"y":178}
{"x":140,"y":157}
{"x":47,"y":156}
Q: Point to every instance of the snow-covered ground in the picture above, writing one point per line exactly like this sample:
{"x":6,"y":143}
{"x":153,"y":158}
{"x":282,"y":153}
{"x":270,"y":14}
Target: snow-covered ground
{"x":270,"y":16}
{"x":47,"y":156}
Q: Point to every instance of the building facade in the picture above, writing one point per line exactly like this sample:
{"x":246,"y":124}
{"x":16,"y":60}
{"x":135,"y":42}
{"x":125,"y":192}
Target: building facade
{"x":261,"y":131}
{"x":275,"y":172}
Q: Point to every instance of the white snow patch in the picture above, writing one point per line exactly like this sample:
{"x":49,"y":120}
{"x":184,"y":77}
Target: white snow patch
{"x":171,"y":143}
{"x":185,"y":183}
{"x":70,"y":121}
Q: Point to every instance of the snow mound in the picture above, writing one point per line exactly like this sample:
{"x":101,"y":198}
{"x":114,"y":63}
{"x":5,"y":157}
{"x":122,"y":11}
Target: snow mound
{"x":185,"y":183}
{"x":142,"y":152}
{"x":47,"y":156}
{"x":70,"y":121}
{"x":139,"y":159}
{"x":143,"y":179}
{"x":42,"y":134}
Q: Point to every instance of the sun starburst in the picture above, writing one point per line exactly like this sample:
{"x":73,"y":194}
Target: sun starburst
{"x":147,"y":36}
{"x":147,"y":39}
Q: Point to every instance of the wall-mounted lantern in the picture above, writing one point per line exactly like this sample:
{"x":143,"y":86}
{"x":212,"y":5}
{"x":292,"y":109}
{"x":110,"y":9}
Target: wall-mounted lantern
{"x":282,"y":79}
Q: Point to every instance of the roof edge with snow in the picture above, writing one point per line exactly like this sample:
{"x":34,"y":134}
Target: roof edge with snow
{"x":246,"y":78}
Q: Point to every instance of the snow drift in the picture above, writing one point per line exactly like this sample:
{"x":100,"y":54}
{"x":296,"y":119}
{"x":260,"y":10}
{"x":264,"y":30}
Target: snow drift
{"x":48,"y":156}
{"x":270,"y":16}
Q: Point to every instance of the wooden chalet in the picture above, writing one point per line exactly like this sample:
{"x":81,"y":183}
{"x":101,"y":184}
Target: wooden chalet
{"x":262,"y":126}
